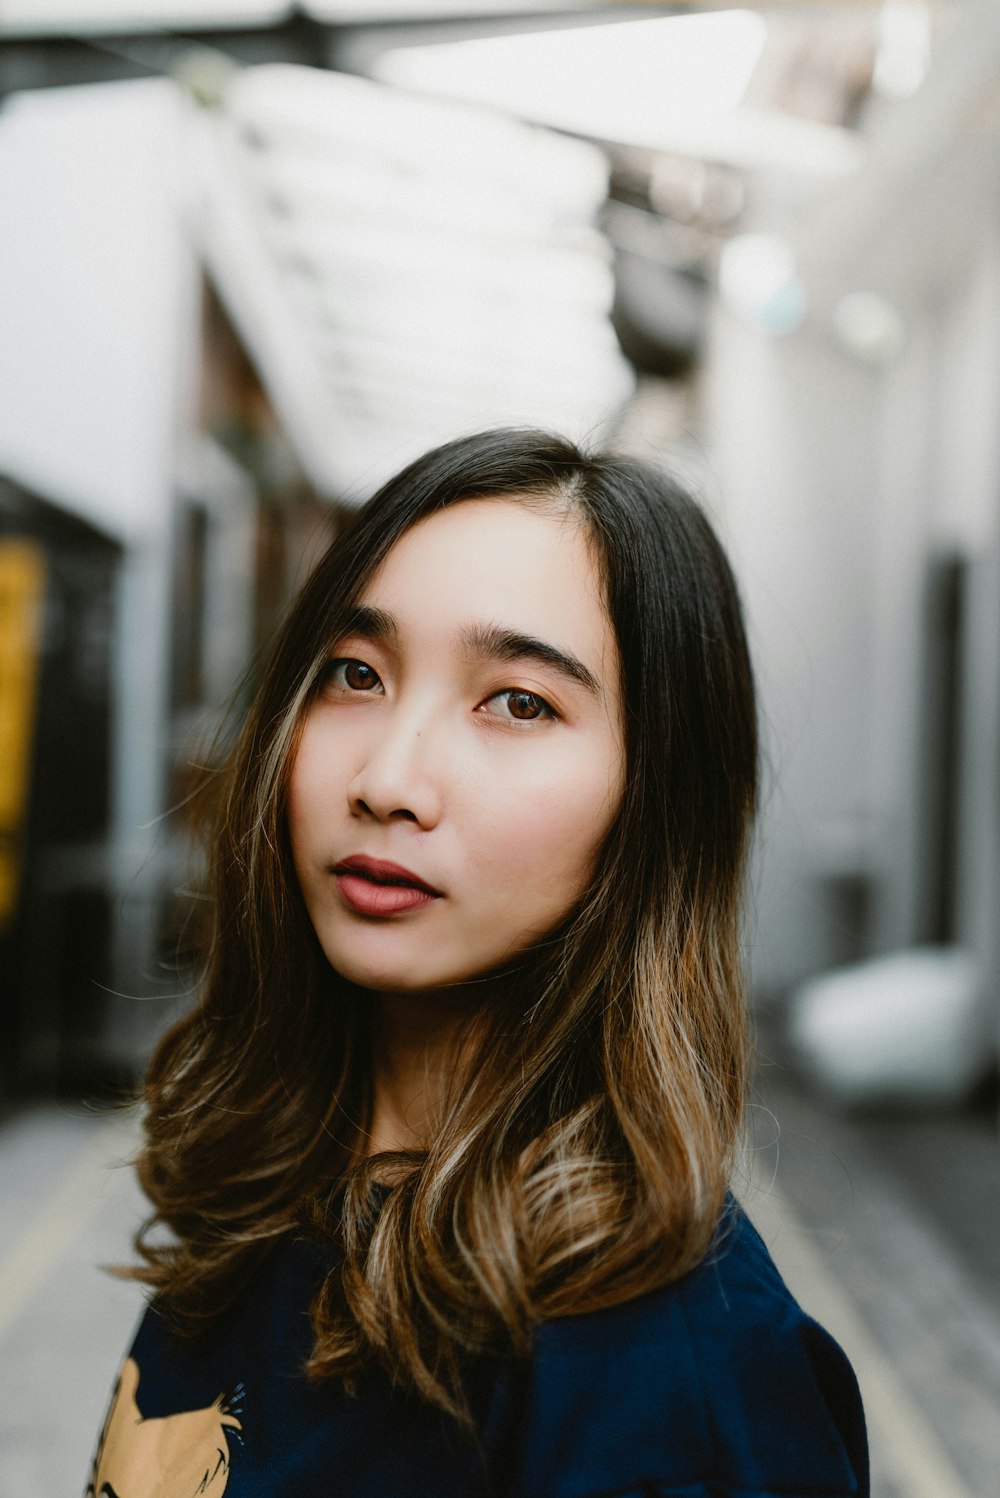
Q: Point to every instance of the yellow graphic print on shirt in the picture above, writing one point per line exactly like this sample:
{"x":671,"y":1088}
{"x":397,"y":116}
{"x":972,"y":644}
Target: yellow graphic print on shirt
{"x":175,"y":1456}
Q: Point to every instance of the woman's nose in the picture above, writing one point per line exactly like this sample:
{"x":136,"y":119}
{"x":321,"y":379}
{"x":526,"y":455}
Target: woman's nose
{"x":398,"y":777}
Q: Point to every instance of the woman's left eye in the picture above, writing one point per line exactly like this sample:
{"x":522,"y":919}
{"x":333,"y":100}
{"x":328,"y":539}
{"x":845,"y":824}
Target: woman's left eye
{"x":521,"y":706}
{"x":352,"y":675}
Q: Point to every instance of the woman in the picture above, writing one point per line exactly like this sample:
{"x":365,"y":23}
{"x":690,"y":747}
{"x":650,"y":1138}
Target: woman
{"x":443,"y":1150}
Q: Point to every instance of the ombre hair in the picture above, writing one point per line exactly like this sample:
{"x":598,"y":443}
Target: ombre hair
{"x":586,"y":1155}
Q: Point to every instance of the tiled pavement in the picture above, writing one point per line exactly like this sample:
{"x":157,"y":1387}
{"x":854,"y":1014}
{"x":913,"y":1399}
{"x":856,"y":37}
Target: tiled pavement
{"x":853,"y":1237}
{"x":65,"y":1210}
{"x":861,"y":1244}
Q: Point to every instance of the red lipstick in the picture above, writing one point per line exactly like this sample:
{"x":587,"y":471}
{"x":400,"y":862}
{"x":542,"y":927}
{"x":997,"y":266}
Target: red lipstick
{"x":374,"y":886}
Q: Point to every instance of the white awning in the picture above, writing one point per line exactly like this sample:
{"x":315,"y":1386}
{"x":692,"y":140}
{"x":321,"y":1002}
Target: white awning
{"x":403,"y":270}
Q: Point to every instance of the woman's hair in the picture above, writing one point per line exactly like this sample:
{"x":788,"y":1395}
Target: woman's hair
{"x":586,"y":1155}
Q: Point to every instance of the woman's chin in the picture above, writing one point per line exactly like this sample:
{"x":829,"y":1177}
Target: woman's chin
{"x":392,"y":977}
{"x":411,"y":977}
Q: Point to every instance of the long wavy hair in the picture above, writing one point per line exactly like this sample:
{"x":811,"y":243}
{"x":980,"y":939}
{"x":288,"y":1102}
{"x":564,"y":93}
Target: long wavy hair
{"x":585,"y":1158}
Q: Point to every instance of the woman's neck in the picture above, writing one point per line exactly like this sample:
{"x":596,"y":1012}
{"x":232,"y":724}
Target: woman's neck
{"x":418,"y":1044}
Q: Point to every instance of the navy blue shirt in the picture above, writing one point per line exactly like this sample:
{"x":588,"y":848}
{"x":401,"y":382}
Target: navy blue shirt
{"x":717,"y":1386}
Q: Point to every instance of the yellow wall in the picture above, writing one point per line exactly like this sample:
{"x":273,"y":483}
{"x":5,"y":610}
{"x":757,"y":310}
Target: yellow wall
{"x":22,"y":583}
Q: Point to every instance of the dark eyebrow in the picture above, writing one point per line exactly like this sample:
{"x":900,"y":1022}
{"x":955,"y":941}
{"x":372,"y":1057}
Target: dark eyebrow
{"x":495,"y":642}
{"x":371,"y":624}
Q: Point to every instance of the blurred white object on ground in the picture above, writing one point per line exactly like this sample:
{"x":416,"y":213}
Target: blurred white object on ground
{"x":912,"y":1025}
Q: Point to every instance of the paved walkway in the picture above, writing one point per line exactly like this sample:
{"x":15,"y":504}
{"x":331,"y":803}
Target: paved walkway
{"x":854,"y":1245}
{"x":865,"y":1254}
{"x":69,"y":1205}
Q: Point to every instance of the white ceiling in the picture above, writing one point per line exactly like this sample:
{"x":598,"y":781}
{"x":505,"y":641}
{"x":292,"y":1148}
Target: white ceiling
{"x":47,"y":17}
{"x":669,"y":83}
{"x":41,"y":17}
{"x":405,"y":269}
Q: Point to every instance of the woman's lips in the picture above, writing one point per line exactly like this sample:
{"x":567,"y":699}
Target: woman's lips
{"x":380,"y":899}
{"x":374,"y":886}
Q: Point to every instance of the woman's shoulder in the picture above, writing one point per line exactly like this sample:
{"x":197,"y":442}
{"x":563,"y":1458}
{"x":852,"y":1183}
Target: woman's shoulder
{"x":718,"y":1383}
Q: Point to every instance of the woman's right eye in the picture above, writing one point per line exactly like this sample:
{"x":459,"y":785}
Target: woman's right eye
{"x":349,"y":675}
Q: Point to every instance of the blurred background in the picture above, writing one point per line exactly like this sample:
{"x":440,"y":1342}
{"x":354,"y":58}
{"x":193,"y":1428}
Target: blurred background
{"x":254,"y":257}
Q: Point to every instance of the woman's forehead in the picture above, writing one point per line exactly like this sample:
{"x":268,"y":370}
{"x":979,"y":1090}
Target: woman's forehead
{"x":496,"y":562}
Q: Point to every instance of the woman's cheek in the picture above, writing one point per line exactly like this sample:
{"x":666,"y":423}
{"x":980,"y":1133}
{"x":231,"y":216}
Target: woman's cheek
{"x":550,"y":830}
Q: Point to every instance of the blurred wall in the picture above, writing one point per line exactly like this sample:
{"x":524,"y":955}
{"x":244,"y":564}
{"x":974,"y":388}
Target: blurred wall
{"x":98,"y":313}
{"x":93,"y":280}
{"x":844,"y":483}
{"x":794,"y":437}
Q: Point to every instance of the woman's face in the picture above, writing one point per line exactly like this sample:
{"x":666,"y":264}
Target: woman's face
{"x":464,"y":758}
